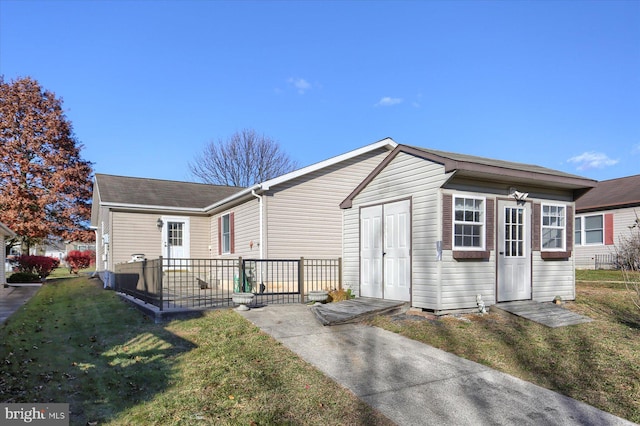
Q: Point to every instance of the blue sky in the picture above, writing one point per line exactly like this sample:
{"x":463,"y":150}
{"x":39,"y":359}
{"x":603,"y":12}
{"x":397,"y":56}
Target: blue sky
{"x":147,"y":84}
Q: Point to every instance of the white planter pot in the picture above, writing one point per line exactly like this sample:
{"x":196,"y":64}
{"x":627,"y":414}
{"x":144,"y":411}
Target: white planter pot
{"x":318,"y":296}
{"x":242,"y":300}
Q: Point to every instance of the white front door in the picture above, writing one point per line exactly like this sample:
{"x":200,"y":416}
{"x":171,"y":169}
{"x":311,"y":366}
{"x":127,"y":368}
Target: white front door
{"x":385,"y":251}
{"x":371,"y":252}
{"x":175,"y":237}
{"x":514,"y":251}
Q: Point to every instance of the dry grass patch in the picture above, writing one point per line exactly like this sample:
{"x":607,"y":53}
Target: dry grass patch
{"x":597,"y":362}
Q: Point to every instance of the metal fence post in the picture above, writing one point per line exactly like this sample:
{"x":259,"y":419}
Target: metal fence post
{"x":159,"y":281}
{"x":301,"y":279}
{"x":240,"y":276}
{"x":339,"y":273}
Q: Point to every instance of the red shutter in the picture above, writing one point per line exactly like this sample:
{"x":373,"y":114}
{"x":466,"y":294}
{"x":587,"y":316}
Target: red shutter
{"x":219,"y":235}
{"x":232,"y":233}
{"x":447,"y":221}
{"x":608,"y":229}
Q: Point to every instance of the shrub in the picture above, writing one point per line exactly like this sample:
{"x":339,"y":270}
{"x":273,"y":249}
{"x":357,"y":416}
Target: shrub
{"x":340,"y":295}
{"x":77,"y":260}
{"x":628,"y":255}
{"x":23,"y":277}
{"x":38,"y":265}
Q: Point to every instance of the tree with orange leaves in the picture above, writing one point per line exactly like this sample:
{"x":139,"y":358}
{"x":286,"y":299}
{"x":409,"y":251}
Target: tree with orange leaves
{"x":45,"y":185}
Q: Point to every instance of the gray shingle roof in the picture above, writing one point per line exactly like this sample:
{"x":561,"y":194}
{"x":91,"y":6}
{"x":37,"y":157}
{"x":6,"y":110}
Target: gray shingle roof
{"x":463,"y":158}
{"x":156,"y":192}
{"x":613,"y":193}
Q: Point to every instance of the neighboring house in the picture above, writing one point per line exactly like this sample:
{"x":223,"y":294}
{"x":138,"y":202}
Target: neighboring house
{"x":438,"y":229}
{"x":5,"y":232}
{"x":291,"y":216}
{"x":603,"y":215}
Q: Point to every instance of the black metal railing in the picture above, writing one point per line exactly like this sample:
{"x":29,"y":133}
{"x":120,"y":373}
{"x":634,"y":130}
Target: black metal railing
{"x":206,"y":283}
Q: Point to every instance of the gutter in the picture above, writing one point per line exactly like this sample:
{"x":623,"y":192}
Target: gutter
{"x":259,"y":197}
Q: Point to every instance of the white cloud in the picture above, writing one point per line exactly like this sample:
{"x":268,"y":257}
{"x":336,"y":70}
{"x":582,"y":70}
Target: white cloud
{"x":592,"y":160}
{"x":388,"y":101}
{"x":300,"y":84}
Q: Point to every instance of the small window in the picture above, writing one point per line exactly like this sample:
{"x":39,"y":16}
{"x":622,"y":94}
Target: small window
{"x":590,"y":230}
{"x":175,"y":234}
{"x":226,"y":234}
{"x":468,"y":223}
{"x":553,"y":227}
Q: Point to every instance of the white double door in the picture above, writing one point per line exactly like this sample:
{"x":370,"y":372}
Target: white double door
{"x":385,"y":251}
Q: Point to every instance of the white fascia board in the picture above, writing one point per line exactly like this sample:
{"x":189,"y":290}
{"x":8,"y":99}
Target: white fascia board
{"x":387,"y":142}
{"x":233,"y":197}
{"x":4,"y":230}
{"x":148,"y":207}
{"x":266,"y":185}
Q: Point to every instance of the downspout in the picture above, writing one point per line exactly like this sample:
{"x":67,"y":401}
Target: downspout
{"x":259,"y":197}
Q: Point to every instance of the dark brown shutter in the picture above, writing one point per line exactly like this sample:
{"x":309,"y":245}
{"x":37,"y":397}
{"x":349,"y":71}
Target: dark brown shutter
{"x":535,"y":227}
{"x":570,"y":229}
{"x":490,"y":224}
{"x":447,"y":221}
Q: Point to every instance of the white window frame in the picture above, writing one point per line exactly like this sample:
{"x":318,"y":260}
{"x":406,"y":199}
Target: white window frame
{"x":482,"y":223}
{"x":225,"y":238}
{"x":583,"y":229}
{"x":563,"y":227}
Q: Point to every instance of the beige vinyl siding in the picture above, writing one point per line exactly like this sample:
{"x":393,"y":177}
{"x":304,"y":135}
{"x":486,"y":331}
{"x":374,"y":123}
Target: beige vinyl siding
{"x":134,"y":233}
{"x":199,"y":237}
{"x":553,"y":278}
{"x":405,"y":176}
{"x":246,"y":217}
{"x":622,"y":219}
{"x":303,"y":215}
{"x":461,"y":282}
{"x":103,"y":224}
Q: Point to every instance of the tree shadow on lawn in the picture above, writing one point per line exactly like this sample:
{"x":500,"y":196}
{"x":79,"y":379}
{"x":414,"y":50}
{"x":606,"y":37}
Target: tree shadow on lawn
{"x":75,"y":343}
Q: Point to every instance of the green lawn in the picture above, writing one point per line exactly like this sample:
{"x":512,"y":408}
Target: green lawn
{"x":79,"y":344}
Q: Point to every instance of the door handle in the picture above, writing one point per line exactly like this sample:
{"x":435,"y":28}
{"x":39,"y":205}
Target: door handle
{"x":501,"y":252}
{"x":384,"y":253}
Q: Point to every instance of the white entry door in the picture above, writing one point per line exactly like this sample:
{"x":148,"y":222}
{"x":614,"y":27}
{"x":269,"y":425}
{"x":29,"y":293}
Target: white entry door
{"x":385,"y":257}
{"x":175,"y":237}
{"x":514,"y":251}
{"x":371,"y":252}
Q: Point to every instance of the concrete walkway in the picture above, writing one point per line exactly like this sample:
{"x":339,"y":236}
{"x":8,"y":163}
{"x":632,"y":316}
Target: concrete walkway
{"x":415,"y":384}
{"x":12,"y":298}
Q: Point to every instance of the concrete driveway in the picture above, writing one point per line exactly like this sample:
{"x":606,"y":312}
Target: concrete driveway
{"x":415,"y":384}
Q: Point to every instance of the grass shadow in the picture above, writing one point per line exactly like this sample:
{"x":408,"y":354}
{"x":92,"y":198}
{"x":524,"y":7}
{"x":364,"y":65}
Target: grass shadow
{"x":75,"y":343}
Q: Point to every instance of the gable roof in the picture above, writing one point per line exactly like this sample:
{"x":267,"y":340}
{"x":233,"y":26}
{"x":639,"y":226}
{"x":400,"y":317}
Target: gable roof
{"x":482,"y":168}
{"x":133,"y":192}
{"x":611,"y":194}
{"x":386,"y":143}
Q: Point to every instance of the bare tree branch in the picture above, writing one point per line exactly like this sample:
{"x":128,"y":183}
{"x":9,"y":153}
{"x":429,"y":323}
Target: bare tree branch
{"x":244,"y":159}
